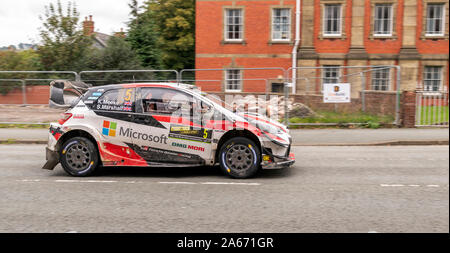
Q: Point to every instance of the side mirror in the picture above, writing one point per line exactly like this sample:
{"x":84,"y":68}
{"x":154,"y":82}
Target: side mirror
{"x":205,"y":108}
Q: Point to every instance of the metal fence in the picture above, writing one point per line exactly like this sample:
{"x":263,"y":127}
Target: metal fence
{"x":13,"y":80}
{"x":104,"y":77}
{"x":374,"y":89}
{"x":369,"y":85}
{"x":432,"y":109}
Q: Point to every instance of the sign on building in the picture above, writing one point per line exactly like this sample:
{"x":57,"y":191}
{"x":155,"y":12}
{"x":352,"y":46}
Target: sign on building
{"x":336,"y":93}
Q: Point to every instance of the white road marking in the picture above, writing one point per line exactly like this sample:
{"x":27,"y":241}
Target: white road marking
{"x":99,"y":181}
{"x":225,"y":183}
{"x":410,"y":185}
{"x":67,"y":181}
{"x":177,"y":183}
{"x":134,"y":182}
{"x":85,"y":181}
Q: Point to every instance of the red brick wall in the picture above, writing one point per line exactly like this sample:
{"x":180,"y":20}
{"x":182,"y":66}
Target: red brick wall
{"x":34,"y":95}
{"x":408,"y":105}
{"x":428,"y":46}
{"x":383,"y":46}
{"x":332,"y":45}
{"x":257,"y":52}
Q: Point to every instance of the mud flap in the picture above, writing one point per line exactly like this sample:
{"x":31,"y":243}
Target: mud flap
{"x":63,"y":93}
{"x":52,"y":159}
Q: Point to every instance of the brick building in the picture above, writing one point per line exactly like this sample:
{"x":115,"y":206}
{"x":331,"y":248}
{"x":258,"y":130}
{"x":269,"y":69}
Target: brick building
{"x":413,"y":34}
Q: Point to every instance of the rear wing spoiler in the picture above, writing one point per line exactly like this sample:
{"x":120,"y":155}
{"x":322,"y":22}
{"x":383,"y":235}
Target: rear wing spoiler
{"x":65,"y":94}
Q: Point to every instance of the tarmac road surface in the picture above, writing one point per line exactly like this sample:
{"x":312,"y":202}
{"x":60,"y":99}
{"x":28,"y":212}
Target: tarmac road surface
{"x":303,"y":137}
{"x":330,"y":189}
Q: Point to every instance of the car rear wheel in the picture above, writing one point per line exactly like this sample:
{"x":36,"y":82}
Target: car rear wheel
{"x":240,"y":158}
{"x":79,"y":157}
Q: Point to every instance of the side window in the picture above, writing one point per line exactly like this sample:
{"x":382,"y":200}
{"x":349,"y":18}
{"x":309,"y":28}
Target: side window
{"x":163,"y":101}
{"x":118,"y":100}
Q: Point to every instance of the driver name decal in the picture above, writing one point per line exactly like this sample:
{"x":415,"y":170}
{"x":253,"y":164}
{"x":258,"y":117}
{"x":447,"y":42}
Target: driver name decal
{"x":190,"y":133}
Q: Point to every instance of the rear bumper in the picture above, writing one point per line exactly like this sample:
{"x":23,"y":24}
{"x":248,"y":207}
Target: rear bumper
{"x":52,"y":159}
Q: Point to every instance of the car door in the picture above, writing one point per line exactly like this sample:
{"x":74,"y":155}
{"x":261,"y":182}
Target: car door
{"x":165,"y":131}
{"x":114,"y":109}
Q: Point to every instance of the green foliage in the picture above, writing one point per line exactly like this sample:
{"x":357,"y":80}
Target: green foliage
{"x":373,"y":125}
{"x":63,"y":44}
{"x":118,"y":55}
{"x":25,"y":126}
{"x":433,"y":115}
{"x":371,"y":121}
{"x":143,"y":36}
{"x":174,"y":22}
{"x":161,"y":36}
{"x":17,"y":61}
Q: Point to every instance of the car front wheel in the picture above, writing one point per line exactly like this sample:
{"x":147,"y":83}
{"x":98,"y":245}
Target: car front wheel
{"x":79,"y":157}
{"x":240,"y":158}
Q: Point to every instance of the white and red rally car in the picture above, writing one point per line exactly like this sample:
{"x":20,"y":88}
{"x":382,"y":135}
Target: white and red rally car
{"x":159,"y":125}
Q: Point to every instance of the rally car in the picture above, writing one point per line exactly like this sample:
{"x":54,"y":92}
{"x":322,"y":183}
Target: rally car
{"x":159,"y":125}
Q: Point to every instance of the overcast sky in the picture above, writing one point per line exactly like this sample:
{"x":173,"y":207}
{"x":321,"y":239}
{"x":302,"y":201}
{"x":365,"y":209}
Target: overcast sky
{"x":19,"y":19}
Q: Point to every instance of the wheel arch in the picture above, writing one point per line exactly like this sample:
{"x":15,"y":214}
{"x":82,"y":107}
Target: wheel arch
{"x":237,"y":133}
{"x":75,"y":133}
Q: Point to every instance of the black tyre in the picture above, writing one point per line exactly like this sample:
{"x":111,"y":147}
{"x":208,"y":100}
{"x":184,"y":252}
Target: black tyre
{"x":240,"y":158}
{"x":79,"y":157}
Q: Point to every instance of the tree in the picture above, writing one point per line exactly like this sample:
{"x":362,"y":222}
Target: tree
{"x":27,"y":60}
{"x":143,"y":36}
{"x":163,"y":35}
{"x":63,"y":44}
{"x":20,"y":60}
{"x":117,"y":55}
{"x":175,"y":22}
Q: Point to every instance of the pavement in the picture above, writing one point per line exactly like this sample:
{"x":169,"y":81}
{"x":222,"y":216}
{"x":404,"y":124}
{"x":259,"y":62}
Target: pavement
{"x":356,"y":189}
{"x":301,"y":137}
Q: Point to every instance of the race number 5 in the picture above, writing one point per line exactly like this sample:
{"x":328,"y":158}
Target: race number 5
{"x":128,"y":95}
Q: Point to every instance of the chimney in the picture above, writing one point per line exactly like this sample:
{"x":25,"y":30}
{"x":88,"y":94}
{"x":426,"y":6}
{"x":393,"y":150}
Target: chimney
{"x":88,"y":26}
{"x":120,"y":34}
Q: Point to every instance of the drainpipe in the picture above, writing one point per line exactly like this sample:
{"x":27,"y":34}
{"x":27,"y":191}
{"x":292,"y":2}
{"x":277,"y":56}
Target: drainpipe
{"x":295,"y":49}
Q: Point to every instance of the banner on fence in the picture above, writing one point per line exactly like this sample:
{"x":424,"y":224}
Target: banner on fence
{"x":336,"y":93}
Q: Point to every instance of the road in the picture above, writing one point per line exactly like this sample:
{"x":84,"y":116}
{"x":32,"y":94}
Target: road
{"x":303,"y":137}
{"x":330,"y":189}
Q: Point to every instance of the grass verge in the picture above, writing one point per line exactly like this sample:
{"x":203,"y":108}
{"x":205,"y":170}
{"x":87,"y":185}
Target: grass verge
{"x":25,"y":126}
{"x":344,"y":119}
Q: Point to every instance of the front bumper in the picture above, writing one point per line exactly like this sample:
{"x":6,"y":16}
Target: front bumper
{"x":278,"y":162}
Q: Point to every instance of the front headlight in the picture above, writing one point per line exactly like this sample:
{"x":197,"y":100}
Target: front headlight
{"x":269,"y":128}
{"x":274,"y":134}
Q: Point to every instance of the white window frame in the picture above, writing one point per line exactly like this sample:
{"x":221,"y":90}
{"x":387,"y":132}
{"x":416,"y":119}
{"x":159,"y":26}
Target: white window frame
{"x":442,"y":20}
{"x":390,"y":20}
{"x":389,"y":78}
{"x":281,"y":31}
{"x":324,"y":21}
{"x":327,"y":68}
{"x":226,"y":25}
{"x":232,"y":80}
{"x":440,"y":68}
